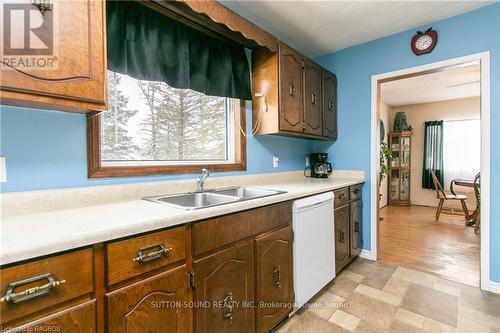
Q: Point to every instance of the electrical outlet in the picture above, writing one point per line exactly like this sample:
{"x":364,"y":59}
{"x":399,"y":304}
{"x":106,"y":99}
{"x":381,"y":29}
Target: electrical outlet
{"x":276,"y":161}
{"x":307,"y":161}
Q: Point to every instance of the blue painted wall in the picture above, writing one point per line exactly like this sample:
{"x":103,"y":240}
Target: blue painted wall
{"x":47,"y":149}
{"x":469,"y":33}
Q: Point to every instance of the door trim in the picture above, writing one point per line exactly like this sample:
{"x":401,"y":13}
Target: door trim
{"x":376,"y":80}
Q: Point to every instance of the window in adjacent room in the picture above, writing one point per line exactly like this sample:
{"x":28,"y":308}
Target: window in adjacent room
{"x":461,"y":149}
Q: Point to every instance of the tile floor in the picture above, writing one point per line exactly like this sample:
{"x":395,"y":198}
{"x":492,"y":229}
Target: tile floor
{"x":377,"y":297}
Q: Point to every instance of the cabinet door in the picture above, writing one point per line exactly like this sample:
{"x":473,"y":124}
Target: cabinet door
{"x":291,"y":94}
{"x":225,"y":282}
{"x":356,"y":215}
{"x":74,"y":73}
{"x":154,"y":304}
{"x":341,"y":237}
{"x":329,"y":105}
{"x":77,"y":319}
{"x":274,"y":278}
{"x":312,"y":98}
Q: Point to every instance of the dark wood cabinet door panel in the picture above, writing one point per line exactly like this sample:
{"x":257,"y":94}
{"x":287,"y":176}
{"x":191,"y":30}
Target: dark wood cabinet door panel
{"x":329,"y":86}
{"x":312,"y":98}
{"x":356,"y":219}
{"x":341,"y":237}
{"x":78,"y":74}
{"x":274,"y":282}
{"x":225,"y":281}
{"x":291,"y":93}
{"x":157,"y":304}
{"x":77,"y":319}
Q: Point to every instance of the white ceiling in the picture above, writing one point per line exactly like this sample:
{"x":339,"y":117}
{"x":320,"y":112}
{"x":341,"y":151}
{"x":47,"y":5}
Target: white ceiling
{"x":320,"y":27}
{"x":450,"y":83}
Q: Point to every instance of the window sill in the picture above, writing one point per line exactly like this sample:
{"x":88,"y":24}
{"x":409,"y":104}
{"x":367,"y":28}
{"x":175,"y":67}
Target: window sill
{"x":138,"y":171}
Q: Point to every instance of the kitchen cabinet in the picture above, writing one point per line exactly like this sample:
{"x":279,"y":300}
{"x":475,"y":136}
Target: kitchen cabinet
{"x":74,"y":75}
{"x":155,"y":304}
{"x":225,"y":280}
{"x":293,"y":96}
{"x":348,"y":225}
{"x":291,"y":91}
{"x":274,"y":278}
{"x":355,"y":216}
{"x":147,"y":283}
{"x":341,"y":237}
{"x":312,"y":99}
{"x":329,"y":110}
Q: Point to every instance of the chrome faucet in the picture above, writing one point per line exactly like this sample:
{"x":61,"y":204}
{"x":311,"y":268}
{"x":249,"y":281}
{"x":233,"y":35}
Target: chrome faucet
{"x":200,"y":182}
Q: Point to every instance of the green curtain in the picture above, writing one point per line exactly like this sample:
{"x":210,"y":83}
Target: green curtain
{"x":433,"y":153}
{"x":147,"y":45}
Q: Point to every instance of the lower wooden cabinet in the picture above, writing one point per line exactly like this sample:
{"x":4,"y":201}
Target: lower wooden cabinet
{"x":77,"y":319}
{"x":348,"y":225}
{"x":157,"y":304}
{"x":355,"y":216}
{"x":224,"y":281}
{"x":274,"y":278}
{"x":341,"y":237}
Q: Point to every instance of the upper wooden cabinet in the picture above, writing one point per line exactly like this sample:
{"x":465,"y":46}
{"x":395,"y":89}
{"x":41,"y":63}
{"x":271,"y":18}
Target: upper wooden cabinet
{"x":292,"y":95}
{"x":312,"y":98}
{"x":329,"y":86}
{"x":291,"y":90}
{"x":71,"y":75}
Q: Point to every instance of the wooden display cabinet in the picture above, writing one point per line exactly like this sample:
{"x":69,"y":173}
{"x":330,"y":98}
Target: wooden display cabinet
{"x":400,"y":168}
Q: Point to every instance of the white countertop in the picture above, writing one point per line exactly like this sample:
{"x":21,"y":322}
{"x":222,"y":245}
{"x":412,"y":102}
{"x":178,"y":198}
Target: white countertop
{"x":26,"y":236}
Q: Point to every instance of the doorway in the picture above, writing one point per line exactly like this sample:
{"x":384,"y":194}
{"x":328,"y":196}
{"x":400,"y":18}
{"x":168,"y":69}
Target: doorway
{"x":417,"y":224}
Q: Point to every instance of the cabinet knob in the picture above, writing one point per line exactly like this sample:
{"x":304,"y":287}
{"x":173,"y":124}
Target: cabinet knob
{"x":292,"y":89}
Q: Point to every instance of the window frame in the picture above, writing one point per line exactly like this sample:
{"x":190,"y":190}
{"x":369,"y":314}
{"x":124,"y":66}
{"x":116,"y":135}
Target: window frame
{"x":97,"y":170}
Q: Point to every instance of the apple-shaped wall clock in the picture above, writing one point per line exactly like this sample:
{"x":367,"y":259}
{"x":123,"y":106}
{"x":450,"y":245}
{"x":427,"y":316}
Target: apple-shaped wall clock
{"x":424,"y":42}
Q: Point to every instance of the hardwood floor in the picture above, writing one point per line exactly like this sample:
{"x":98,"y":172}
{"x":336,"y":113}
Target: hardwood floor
{"x":410,"y":236}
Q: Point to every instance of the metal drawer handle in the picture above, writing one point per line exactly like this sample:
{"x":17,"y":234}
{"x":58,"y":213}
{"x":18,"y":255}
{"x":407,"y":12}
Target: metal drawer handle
{"x":12,"y":297}
{"x":342,"y":237}
{"x":227,"y":310}
{"x":153,"y":255}
{"x":277,"y":277}
{"x":330,"y":105}
{"x":356,"y":191}
{"x":356,"y":227}
{"x":341,"y":196}
{"x":313,"y":99}
{"x":292,"y":89}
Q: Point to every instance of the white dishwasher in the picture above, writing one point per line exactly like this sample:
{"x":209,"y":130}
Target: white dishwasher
{"x":313,"y":246}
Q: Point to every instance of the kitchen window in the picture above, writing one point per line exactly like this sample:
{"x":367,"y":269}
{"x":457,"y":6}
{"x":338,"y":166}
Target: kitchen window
{"x":175,"y":98}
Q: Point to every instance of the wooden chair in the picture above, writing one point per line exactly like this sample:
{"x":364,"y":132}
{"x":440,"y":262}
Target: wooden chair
{"x":477,"y":193}
{"x":442,"y":196}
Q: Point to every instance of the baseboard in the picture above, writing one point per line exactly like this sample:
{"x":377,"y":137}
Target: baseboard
{"x":367,"y":254}
{"x":495,"y":287}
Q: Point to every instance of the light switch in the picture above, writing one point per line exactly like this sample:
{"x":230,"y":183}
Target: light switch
{"x":276,"y":161}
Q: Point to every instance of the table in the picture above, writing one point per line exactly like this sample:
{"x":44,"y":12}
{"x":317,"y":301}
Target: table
{"x":467,"y":183}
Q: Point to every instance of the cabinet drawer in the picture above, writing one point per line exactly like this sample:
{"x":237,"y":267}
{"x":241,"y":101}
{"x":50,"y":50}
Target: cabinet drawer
{"x":341,"y":197}
{"x":138,"y":255}
{"x":355,"y":192}
{"x":212,"y":234}
{"x":77,"y":319}
{"x":64,"y":277}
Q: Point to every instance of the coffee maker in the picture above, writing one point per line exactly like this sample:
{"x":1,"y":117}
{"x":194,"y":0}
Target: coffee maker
{"x":320,"y":167}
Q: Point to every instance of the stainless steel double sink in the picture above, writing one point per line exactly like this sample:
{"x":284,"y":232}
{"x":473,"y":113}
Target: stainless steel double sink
{"x":210,"y":198}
